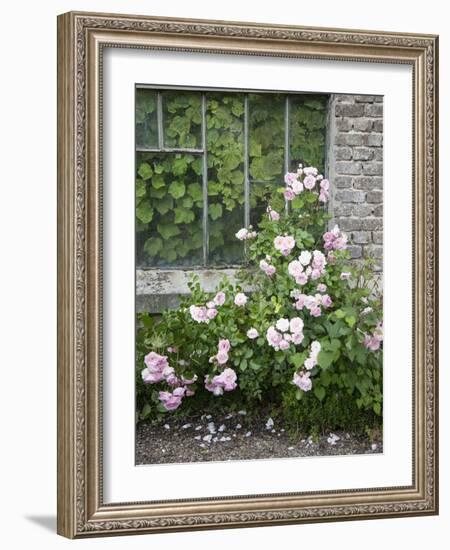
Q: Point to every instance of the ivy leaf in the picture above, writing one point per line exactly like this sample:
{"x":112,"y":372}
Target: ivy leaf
{"x":183,"y":215}
{"x":153,"y":245}
{"x":195,"y":191}
{"x":140,"y":188}
{"x":145,"y":171}
{"x":144,"y":212}
{"x":158,"y":181}
{"x":164,"y":205}
{"x":168,"y":230}
{"x":377,"y":408}
{"x":177,"y":189}
{"x":215,"y":211}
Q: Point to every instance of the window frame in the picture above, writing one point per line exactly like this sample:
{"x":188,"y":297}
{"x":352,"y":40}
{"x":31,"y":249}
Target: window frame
{"x":161,"y":149}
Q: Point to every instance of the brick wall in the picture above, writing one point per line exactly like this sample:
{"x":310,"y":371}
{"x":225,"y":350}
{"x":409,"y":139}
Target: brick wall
{"x":355,"y":169}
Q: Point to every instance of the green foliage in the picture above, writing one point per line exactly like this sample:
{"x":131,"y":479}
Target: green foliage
{"x":346,"y":378}
{"x":169,"y":186}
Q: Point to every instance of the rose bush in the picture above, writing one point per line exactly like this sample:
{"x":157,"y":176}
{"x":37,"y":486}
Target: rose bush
{"x":300,"y":330}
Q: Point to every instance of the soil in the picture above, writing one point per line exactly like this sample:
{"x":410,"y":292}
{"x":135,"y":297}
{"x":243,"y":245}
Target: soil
{"x":234,"y":436}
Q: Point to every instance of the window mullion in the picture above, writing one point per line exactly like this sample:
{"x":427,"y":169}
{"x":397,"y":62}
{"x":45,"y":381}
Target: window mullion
{"x":159,"y":117}
{"x":287,"y":126}
{"x":205,"y":184}
{"x":246,"y":165}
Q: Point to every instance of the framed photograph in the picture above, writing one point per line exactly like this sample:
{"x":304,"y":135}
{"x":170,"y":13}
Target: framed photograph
{"x":247,"y":282}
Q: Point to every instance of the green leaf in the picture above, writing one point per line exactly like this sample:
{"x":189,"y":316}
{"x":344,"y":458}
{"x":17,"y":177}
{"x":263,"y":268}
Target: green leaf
{"x":215,"y":211}
{"x":177,"y":189}
{"x":146,"y":410}
{"x":339,"y":314}
{"x":153,"y":245}
{"x":164,"y":205}
{"x":145,"y":171}
{"x":350,"y":320}
{"x":377,"y":408}
{"x":158,"y":181}
{"x":319,"y":392}
{"x":299,"y":394}
{"x":325,"y":358}
{"x":195,"y":191}
{"x":167,"y":231}
{"x":297,"y":359}
{"x":183,"y":215}
{"x":144,"y":212}
{"x":140,"y":188}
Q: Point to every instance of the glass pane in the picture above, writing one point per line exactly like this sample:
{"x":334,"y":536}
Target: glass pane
{"x":169,"y":207}
{"x":266,"y":136}
{"x":225,"y":145}
{"x":182,"y":115}
{"x":146,"y":122}
{"x":308,"y":130}
{"x":260,"y":193}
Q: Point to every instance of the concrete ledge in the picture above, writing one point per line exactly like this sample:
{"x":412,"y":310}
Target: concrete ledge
{"x":160,"y":289}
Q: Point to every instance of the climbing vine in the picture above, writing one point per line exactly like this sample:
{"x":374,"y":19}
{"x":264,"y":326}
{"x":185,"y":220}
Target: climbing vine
{"x":169,"y":194}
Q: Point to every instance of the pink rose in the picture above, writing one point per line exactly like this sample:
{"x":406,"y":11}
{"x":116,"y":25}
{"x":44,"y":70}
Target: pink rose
{"x":296,"y":325}
{"x":316,"y":311}
{"x":222,"y":357}
{"x":303,"y":381}
{"x":274,"y":216}
{"x":326,"y":301}
{"x":224,"y":345}
{"x":252,"y":333}
{"x":219,"y":298}
{"x":289,"y":194}
{"x":284,"y":345}
{"x":321,"y":287}
{"x":211,"y":313}
{"x":345,"y":275}
{"x":309,"y":182}
{"x":297,"y":338}
{"x":240,"y":299}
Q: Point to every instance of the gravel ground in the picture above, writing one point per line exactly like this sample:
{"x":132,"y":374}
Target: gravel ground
{"x":235,"y":437}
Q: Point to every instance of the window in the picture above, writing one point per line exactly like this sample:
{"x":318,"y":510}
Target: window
{"x":206,"y":162}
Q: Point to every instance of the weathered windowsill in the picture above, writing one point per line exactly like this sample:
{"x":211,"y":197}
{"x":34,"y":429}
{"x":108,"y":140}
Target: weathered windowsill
{"x":159,"y":289}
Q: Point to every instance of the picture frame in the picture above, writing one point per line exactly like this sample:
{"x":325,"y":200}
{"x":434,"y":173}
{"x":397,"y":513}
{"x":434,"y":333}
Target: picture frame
{"x":82,"y":40}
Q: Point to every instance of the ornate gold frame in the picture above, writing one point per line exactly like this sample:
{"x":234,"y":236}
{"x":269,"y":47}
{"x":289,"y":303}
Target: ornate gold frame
{"x":81,"y":37}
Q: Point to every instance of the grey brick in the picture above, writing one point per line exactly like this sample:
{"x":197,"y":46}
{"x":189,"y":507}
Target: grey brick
{"x":350,"y":195}
{"x":343,"y":124}
{"x":375,"y":196}
{"x":378,"y":211}
{"x":373,"y":110}
{"x":350,"y":110}
{"x":351,"y":139}
{"x":377,"y":237}
{"x":375,"y":140}
{"x":362,"y":124}
{"x":350,"y":224}
{"x":365,"y":98}
{"x":373,"y":251}
{"x":362,"y":210}
{"x":344,"y":98}
{"x":345,"y":209}
{"x":373,"y":168}
{"x":363,"y":153}
{"x":378,"y":154}
{"x":348,"y":168}
{"x":379,"y":98}
{"x":368,"y":183}
{"x":355,"y":251}
{"x":343,"y":182}
{"x":343,"y":153}
{"x":378,"y":125}
{"x":361,"y":237}
{"x":371,"y":224}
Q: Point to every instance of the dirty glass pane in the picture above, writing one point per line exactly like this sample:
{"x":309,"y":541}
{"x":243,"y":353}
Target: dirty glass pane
{"x":259,"y":200}
{"x":308,"y":130}
{"x":182,"y":119}
{"x":169,"y":209}
{"x":225,"y":145}
{"x":146,"y":122}
{"x":266,"y":136}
